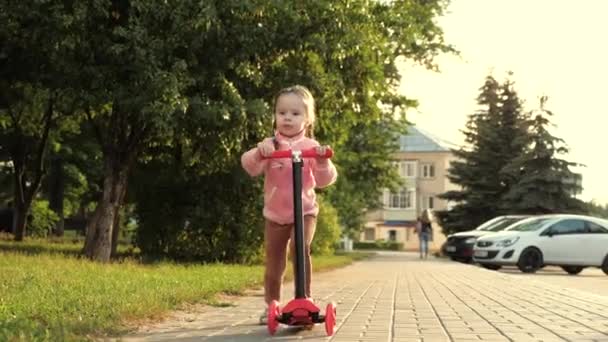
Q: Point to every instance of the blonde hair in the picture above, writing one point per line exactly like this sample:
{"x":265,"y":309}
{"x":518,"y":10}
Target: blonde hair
{"x":309,"y":103}
{"x":427,"y":215}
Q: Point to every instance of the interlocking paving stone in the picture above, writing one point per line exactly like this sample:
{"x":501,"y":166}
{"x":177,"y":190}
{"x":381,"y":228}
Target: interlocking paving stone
{"x":396,"y":297}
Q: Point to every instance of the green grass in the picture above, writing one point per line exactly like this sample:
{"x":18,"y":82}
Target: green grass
{"x":47,"y":293}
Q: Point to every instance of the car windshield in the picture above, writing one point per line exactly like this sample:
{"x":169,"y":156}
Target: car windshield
{"x":490,"y":223}
{"x":529,"y":225}
{"x":502,"y":224}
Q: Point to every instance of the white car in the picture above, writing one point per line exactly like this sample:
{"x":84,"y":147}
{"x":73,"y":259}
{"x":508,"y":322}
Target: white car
{"x":459,"y":246}
{"x":570,"y":241}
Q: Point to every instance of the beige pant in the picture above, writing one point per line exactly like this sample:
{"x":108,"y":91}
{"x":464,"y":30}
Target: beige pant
{"x":276,"y":238}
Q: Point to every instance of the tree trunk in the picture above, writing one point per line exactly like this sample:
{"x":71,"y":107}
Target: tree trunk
{"x":20,"y":221}
{"x":115,"y":233}
{"x":21,"y":202}
{"x":116,"y":230}
{"x":26,"y":190}
{"x":98,"y":245}
{"x":56,"y":194}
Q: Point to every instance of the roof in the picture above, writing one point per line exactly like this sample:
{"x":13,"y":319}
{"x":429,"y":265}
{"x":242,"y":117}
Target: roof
{"x":418,"y":140}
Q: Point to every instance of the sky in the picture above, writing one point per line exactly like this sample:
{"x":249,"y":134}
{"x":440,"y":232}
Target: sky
{"x":554,"y":47}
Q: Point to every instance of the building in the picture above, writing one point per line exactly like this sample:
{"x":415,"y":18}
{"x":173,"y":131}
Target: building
{"x":423,"y":161}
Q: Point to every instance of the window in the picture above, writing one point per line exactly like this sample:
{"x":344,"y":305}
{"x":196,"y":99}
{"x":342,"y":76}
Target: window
{"x":370,"y":234}
{"x":410,"y":169}
{"x":392,"y":235}
{"x":428,"y":170}
{"x":568,"y":227}
{"x":401,"y":200}
{"x":593,"y":228}
{"x":407,"y":169}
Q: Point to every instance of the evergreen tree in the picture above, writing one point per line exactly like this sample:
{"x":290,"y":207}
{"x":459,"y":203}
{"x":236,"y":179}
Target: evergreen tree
{"x":494,"y":136}
{"x":544,"y":182}
{"x":468,"y":171}
{"x":596,"y":209}
{"x":512,"y":133}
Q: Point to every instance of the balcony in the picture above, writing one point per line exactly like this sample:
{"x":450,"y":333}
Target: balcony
{"x":390,"y":214}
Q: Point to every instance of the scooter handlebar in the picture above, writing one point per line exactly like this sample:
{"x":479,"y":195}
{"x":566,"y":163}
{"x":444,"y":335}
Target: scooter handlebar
{"x":307,"y":153}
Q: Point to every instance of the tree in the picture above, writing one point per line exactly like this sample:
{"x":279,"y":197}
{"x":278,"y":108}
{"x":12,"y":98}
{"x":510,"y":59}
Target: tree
{"x":596,"y":209}
{"x":345,"y":53}
{"x":351,"y":63}
{"x":34,"y":97}
{"x":133,"y":89}
{"x":192,"y":82}
{"x":72,"y":183}
{"x":473,"y":171}
{"x":544,"y":182}
{"x":495,"y":135}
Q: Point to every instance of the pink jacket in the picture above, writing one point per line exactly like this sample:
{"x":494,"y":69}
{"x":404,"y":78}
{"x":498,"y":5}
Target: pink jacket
{"x":278,"y":182}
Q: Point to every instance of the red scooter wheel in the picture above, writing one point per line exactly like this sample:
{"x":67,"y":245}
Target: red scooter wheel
{"x":330,"y":319}
{"x":273,"y":316}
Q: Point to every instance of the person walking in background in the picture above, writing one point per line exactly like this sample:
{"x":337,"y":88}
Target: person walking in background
{"x":424,"y":229}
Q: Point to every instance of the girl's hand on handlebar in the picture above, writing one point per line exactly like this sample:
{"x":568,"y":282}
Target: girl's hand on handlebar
{"x":321,"y":150}
{"x":266,"y":147}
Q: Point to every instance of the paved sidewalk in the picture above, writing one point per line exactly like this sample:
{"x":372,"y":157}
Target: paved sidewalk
{"x":397,"y":297}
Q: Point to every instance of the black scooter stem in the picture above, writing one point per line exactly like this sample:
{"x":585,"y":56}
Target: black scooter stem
{"x":300,"y":281}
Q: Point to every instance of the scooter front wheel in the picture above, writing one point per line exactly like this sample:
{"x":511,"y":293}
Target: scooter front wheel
{"x":273,"y":317}
{"x":330,"y":319}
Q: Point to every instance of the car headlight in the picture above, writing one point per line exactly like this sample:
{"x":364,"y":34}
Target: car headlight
{"x":470,"y":241}
{"x":507,"y":242}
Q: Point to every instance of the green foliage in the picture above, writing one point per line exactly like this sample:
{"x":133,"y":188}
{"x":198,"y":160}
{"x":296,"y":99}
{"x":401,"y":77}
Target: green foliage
{"x":77,"y":187}
{"x":43,"y":219}
{"x":37,"y":102}
{"x":596,"y":209}
{"x":216,"y":217}
{"x":359,"y":186}
{"x":544,"y":182}
{"x":328,"y":229}
{"x":190,"y":84}
{"x":346,"y":54}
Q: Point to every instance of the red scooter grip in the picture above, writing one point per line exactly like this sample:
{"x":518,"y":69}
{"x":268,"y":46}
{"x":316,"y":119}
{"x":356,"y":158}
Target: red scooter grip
{"x":308,"y":153}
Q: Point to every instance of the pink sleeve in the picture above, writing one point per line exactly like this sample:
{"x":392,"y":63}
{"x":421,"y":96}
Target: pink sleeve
{"x":325,"y":175}
{"x":252,"y":162}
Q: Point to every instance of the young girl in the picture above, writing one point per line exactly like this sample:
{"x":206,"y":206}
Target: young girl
{"x":294,"y":118}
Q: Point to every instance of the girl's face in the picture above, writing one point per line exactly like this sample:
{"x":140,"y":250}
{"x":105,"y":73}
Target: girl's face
{"x":290,"y":114}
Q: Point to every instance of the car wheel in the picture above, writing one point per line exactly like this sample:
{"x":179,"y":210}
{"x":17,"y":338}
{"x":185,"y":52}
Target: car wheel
{"x":530,"y":260}
{"x":491,"y":267}
{"x":573,"y":269}
{"x":605,"y":265}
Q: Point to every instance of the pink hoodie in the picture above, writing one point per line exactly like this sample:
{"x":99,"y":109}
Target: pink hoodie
{"x":278,"y":182}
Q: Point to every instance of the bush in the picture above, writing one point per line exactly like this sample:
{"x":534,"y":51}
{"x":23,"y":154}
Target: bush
{"x":328,"y":230}
{"x":43,"y":219}
{"x":380,"y":244}
{"x":210,"y":218}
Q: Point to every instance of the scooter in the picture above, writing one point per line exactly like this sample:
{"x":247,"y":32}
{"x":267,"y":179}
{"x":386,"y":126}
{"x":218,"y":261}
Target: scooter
{"x":300,"y":311}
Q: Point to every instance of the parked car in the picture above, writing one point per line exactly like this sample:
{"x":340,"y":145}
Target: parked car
{"x":459,"y":246}
{"x":570,"y":241}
